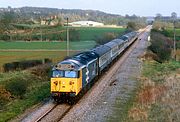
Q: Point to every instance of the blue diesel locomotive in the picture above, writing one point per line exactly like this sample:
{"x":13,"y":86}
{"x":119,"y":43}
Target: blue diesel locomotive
{"x":73,"y":75}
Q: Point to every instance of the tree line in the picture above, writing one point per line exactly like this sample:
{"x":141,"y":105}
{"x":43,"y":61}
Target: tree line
{"x":11,"y":17}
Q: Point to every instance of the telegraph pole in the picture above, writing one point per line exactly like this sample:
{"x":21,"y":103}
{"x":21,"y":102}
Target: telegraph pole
{"x":174,"y":17}
{"x":41,"y":28}
{"x":67,"y":38}
{"x":41,"y":32}
{"x":174,"y":40}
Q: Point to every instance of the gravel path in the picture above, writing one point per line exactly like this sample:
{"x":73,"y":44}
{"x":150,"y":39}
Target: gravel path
{"x":99,"y":103}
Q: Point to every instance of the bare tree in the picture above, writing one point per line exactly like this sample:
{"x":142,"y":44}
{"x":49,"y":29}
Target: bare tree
{"x":158,"y":16}
{"x":6,"y":24}
{"x":174,"y":15}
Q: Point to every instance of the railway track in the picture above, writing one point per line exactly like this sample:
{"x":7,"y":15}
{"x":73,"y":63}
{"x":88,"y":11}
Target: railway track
{"x":53,"y":113}
{"x":58,"y":111}
{"x":46,"y":113}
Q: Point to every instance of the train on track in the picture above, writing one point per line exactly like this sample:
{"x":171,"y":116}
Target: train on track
{"x":76,"y":74}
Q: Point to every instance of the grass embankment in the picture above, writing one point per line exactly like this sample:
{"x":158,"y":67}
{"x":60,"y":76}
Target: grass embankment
{"x":122,"y":106}
{"x":158,"y":96}
{"x":20,"y":90}
{"x":155,"y":97}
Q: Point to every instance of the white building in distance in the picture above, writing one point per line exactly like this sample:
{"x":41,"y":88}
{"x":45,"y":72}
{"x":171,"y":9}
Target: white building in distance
{"x":86,"y":24}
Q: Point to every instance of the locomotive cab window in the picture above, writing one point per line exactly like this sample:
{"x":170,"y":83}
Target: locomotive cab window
{"x":66,"y":74}
{"x":71,"y":74}
{"x":57,"y":73}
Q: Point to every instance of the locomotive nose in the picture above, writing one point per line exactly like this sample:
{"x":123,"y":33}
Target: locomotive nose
{"x":62,"y":85}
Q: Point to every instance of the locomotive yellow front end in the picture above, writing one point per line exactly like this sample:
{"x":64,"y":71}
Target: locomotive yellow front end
{"x":66,"y":81}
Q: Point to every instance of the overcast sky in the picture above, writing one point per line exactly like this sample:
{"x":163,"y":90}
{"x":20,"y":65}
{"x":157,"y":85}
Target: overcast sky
{"x":122,"y":7}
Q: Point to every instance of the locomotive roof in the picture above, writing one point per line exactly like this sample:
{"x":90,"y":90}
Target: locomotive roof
{"x":77,"y":61}
{"x":85,"y":57}
{"x":69,"y":62}
{"x":101,"y":50}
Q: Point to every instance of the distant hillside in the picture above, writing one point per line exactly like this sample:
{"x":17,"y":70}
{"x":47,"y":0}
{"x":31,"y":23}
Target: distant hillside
{"x":34,"y":13}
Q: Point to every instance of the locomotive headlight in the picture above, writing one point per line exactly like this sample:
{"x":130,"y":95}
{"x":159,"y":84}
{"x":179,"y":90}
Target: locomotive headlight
{"x":63,"y":82}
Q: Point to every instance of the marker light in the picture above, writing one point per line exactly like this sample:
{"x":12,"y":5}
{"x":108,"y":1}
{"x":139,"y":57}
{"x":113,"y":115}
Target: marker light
{"x":56,"y":82}
{"x":71,"y":83}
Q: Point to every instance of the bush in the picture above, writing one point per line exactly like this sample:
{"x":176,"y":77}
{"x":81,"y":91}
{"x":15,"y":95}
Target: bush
{"x":74,"y":35}
{"x":4,"y":97}
{"x":162,"y":51}
{"x":161,"y":45}
{"x":159,"y":25}
{"x":42,"y":71}
{"x":132,"y":26}
{"x":23,"y":64}
{"x":20,"y":90}
{"x":17,"y":86}
{"x":5,"y":37}
{"x":104,"y":39}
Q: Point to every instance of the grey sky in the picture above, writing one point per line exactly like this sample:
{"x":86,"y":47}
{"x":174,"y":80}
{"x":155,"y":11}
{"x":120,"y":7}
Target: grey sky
{"x":122,"y":7}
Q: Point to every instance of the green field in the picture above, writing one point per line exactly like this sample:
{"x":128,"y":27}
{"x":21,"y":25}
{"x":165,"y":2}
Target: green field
{"x":76,"y":45}
{"x":89,"y":33}
{"x":170,"y":33}
{"x":55,"y":50}
{"x":59,"y":33}
{"x":10,"y":56}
